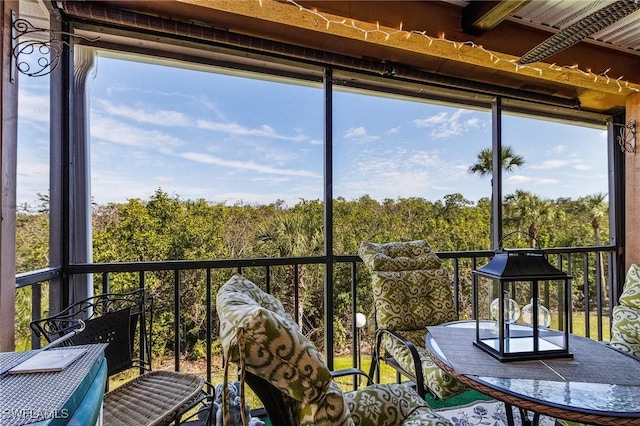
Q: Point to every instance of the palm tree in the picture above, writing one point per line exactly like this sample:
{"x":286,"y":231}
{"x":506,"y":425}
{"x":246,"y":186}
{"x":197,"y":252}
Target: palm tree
{"x":293,"y":234}
{"x":484,"y":167}
{"x":527,"y":210}
{"x":594,"y":208}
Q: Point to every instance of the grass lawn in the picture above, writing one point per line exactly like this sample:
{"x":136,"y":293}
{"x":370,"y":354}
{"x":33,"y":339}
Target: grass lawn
{"x":387,"y":374}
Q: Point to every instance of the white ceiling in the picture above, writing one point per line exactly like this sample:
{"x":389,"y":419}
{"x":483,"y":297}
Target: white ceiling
{"x":555,"y":15}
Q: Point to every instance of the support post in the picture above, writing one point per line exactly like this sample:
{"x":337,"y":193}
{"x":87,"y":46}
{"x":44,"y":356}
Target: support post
{"x":8,"y":164}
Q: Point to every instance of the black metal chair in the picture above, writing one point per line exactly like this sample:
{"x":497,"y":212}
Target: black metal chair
{"x":125,"y":321}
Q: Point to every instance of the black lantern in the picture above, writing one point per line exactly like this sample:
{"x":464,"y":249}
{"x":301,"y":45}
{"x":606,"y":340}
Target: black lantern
{"x":511,"y":279}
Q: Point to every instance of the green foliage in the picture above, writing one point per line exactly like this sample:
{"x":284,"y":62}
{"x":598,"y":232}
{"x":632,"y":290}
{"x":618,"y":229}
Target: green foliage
{"x":168,"y":228}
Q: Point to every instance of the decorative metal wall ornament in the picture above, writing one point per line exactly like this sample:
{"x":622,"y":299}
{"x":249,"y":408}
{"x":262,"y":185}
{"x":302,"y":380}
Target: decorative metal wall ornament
{"x":46,"y":51}
{"x":626,"y":136}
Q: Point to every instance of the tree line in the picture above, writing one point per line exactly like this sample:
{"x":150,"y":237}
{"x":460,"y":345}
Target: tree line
{"x":166,"y":227}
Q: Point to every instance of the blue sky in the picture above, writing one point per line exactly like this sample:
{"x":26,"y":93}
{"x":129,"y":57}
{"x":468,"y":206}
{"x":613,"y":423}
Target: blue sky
{"x":232,"y":139}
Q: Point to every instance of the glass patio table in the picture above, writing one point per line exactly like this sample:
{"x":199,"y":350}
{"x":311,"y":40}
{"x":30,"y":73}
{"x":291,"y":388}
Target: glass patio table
{"x":599,"y":385}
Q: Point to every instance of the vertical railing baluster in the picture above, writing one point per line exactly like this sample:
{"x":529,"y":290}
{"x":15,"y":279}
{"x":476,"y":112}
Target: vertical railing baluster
{"x":560,"y":295}
{"x":599,"y":292}
{"x":296,"y":295}
{"x":267,"y":279}
{"x":145,"y":352}
{"x":355,"y":340}
{"x":105,"y":282}
{"x":36,"y":311}
{"x":587,"y":304}
{"x":474,"y":308}
{"x":209,"y":331}
{"x":176,"y":319}
{"x":613,"y":300}
{"x":456,"y":286}
{"x":570,"y":283}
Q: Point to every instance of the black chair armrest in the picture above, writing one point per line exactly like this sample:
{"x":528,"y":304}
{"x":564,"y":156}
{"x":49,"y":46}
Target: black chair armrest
{"x":417,"y":362}
{"x":352,"y":372}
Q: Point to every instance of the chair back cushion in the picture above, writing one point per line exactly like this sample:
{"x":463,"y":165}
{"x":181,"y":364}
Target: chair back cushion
{"x":625,"y":326}
{"x":631,"y":293}
{"x":273,"y":345}
{"x":625,"y":329}
{"x":411,"y":288}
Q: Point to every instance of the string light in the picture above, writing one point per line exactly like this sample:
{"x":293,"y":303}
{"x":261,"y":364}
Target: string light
{"x":457,"y":45}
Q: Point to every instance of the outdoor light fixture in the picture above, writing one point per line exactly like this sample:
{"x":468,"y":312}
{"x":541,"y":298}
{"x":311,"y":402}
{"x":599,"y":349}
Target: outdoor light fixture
{"x":506,"y":331}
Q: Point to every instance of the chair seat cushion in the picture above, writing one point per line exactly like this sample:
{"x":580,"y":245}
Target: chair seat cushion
{"x":390,"y":405}
{"x":625,"y":330}
{"x":440,"y":383}
{"x":331,"y":410}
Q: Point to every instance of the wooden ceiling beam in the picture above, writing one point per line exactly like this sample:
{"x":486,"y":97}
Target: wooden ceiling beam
{"x":305,"y":24}
{"x":481,"y":16}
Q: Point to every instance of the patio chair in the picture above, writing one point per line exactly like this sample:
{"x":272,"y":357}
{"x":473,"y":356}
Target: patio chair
{"x":625,"y":325}
{"x":411,"y":290}
{"x":625,"y":322}
{"x":289,"y":375}
{"x":124,"y":321}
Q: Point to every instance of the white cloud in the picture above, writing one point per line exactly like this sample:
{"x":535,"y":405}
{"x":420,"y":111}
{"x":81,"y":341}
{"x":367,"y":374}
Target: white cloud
{"x":109,"y":129}
{"x":550,"y":164}
{"x":445,"y":125}
{"x":245,"y":165}
{"x":264,"y":131}
{"x":33,"y":107}
{"x":439,"y":118}
{"x":162,"y":117}
{"x":517,"y":179}
{"x":359,"y":135}
{"x":520,"y":179}
{"x":400,"y":172}
{"x":583,"y":167}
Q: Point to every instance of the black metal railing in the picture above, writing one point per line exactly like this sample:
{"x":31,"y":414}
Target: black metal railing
{"x":591,"y":268}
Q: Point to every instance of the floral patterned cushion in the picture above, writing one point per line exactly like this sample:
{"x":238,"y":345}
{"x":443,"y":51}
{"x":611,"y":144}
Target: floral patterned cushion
{"x":439,"y":382}
{"x":625,"y":329}
{"x":390,"y":405}
{"x":404,"y":256}
{"x":273,"y":348}
{"x":411,"y":290}
{"x":631,"y":294}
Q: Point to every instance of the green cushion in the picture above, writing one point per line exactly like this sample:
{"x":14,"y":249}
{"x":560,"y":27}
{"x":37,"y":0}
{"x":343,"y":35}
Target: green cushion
{"x":399,"y":256}
{"x":330,"y":410}
{"x":631,"y":294}
{"x":391,"y":405}
{"x":625,"y":329}
{"x":440,"y":383}
{"x":275,"y":349}
{"x":411,"y":290}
